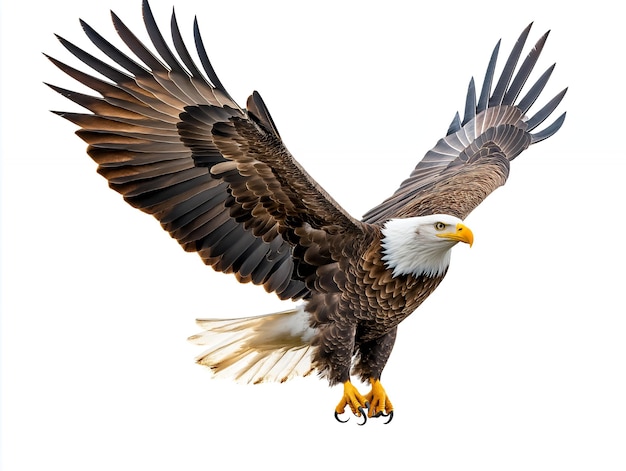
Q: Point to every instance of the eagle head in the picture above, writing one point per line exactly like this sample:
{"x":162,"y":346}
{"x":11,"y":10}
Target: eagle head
{"x":421,"y":245}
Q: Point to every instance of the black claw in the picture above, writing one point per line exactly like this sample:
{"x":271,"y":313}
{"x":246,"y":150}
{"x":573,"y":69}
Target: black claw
{"x":363,"y":415}
{"x":339,"y":420}
{"x":390,"y":415}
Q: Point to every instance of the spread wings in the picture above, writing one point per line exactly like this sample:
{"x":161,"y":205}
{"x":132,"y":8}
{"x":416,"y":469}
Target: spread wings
{"x":473,"y":158}
{"x":216,"y":176}
{"x":172,"y":141}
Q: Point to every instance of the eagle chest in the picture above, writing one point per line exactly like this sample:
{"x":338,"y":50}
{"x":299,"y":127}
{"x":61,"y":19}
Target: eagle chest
{"x":384,"y":300}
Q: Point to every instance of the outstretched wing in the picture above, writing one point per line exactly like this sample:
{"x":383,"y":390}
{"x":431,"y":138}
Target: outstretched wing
{"x":473,"y":159}
{"x":177,"y":146}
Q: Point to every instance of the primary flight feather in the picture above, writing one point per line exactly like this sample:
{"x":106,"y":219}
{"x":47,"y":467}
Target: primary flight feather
{"x":172,"y":141}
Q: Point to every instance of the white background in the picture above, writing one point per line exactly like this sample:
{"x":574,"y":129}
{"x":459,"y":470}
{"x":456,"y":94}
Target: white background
{"x":516,"y":362}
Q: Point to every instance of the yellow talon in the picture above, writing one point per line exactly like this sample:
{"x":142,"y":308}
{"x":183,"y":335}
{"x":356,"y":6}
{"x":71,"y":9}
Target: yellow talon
{"x":376,"y":401}
{"x":379,"y":403}
{"x":352,"y":398}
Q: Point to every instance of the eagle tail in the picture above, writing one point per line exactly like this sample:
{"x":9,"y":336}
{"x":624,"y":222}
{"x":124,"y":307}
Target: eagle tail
{"x":273,"y":347}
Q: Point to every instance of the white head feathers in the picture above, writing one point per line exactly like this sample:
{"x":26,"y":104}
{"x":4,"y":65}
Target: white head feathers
{"x":421,"y":245}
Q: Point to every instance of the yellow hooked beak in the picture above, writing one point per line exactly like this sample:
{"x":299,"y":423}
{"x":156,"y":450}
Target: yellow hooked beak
{"x":461,"y":234}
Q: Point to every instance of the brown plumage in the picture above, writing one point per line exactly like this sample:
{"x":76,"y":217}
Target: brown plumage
{"x":221,"y":182}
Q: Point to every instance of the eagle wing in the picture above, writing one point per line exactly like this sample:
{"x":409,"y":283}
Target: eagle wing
{"x":473,"y":158}
{"x":216,"y":176}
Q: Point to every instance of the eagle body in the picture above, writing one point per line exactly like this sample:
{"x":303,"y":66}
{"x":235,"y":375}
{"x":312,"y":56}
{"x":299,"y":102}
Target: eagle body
{"x":169,"y":138}
{"x":356,"y":307}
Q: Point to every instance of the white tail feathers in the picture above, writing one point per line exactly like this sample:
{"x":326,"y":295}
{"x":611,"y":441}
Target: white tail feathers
{"x":274,"y":347}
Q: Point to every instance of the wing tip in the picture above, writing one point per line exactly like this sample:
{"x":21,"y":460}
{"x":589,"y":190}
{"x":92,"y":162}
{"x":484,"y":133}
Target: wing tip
{"x":549,"y":131}
{"x":512,"y":81}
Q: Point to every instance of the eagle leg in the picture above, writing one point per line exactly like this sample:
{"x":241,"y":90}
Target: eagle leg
{"x":379,"y":403}
{"x":355,"y":400}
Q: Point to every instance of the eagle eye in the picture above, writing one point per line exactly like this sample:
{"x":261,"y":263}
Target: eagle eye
{"x":440,"y":226}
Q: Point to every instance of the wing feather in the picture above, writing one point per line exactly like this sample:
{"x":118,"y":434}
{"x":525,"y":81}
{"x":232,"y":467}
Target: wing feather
{"x":493,"y":132}
{"x":486,"y":89}
{"x":509,"y":69}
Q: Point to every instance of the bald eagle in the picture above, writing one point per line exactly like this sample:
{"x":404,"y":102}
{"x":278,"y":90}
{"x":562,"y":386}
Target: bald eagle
{"x":170,"y":139}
